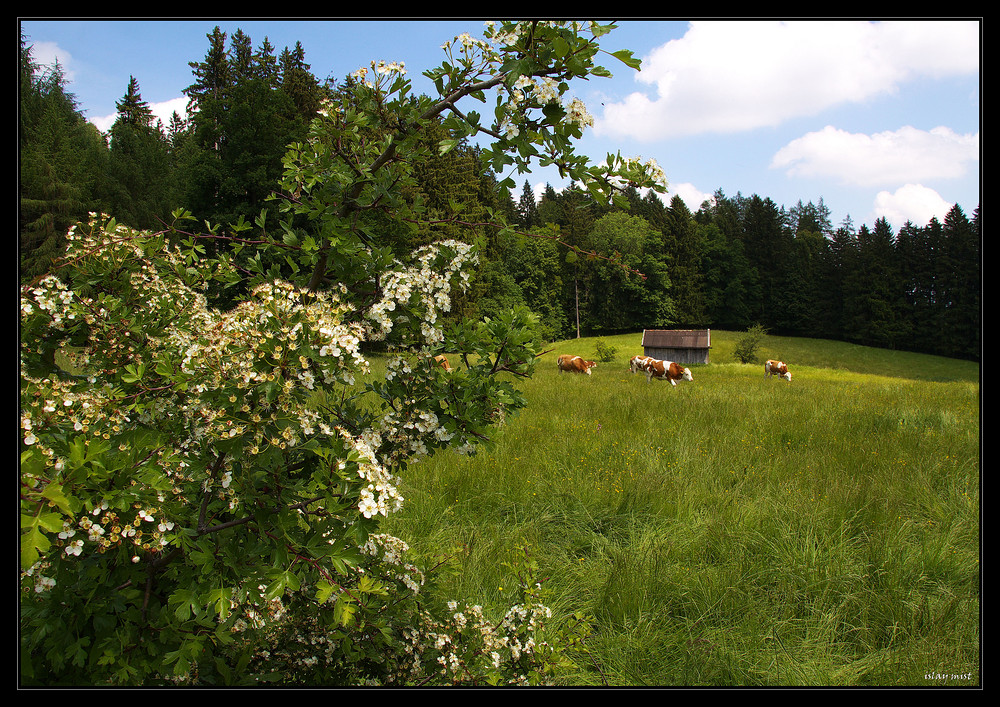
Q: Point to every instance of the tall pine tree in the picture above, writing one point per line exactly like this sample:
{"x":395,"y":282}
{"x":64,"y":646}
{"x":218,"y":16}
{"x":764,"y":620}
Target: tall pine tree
{"x":139,"y":165}
{"x":62,"y":164}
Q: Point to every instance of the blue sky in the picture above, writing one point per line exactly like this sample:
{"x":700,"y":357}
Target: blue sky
{"x":877,"y":119}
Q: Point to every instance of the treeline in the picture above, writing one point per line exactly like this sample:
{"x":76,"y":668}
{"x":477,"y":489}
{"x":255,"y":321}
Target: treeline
{"x":735,"y":262}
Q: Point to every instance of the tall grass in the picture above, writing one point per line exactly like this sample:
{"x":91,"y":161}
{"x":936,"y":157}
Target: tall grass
{"x":732,"y":530}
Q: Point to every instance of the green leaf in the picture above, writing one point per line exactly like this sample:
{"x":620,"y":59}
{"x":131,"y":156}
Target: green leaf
{"x":344,"y":610}
{"x":323,"y":591}
{"x":223,"y":600}
{"x":185,"y":604}
{"x":54,"y":492}
{"x":33,"y":543}
{"x":625,"y":56}
{"x":133,"y":373}
{"x":52,"y":522}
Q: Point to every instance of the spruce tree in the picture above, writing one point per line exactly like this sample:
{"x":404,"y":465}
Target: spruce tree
{"x":298,"y":83}
{"x":961,"y":291}
{"x":139,"y":166}
{"x":874,"y":301}
{"x":684,"y":249}
{"x":527,"y":207}
{"x":916,"y":262}
{"x":61,"y":164}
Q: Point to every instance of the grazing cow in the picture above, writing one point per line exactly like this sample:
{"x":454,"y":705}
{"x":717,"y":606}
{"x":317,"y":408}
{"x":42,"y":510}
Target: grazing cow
{"x":637,"y":363}
{"x":574,"y":364}
{"x":667,"y":370}
{"x":777,"y":368}
{"x":441,"y":360}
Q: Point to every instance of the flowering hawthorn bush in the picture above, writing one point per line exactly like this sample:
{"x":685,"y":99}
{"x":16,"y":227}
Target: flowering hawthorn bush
{"x":201,"y":485}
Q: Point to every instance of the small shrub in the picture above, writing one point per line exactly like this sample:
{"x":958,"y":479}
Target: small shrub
{"x":605,"y":353}
{"x":749,"y":343}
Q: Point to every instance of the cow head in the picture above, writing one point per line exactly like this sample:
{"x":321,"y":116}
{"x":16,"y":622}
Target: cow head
{"x":687,"y":374}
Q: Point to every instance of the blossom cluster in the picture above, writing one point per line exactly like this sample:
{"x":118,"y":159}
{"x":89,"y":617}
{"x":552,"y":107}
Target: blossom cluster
{"x":107,"y":529}
{"x":649,"y":167}
{"x":467,"y":643}
{"x":505,"y":35}
{"x":246,"y":376}
{"x":391,"y":551}
{"x":424,"y":288}
{"x":50,"y":296}
{"x":528,"y":93}
{"x":379,"y":69}
{"x":380,"y":492}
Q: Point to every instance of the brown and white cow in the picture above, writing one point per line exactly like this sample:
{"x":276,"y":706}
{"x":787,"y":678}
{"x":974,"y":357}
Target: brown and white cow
{"x":777,"y":368}
{"x":666,"y":370}
{"x":637,"y":363}
{"x":442,"y":361}
{"x":574,"y":364}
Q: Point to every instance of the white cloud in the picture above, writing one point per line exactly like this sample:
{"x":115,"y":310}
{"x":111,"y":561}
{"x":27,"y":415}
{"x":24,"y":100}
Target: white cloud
{"x":885,"y":158}
{"x":45,"y":54}
{"x":726,"y":77}
{"x":689,"y":194}
{"x":912,"y":202}
{"x":165,"y":110}
{"x":105,"y":122}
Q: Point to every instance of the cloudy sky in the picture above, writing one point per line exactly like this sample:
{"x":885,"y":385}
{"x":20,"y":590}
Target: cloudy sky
{"x":877,"y":119}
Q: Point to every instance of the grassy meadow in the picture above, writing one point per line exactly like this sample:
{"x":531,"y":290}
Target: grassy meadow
{"x":733,"y":530}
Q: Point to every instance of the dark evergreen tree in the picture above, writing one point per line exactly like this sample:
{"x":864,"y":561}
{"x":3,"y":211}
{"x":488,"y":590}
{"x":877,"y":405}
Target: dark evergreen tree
{"x":960,"y":292}
{"x":729,"y":282}
{"x":683,"y":244}
{"x":202,"y":169}
{"x":800,"y":290}
{"x":298,"y":83}
{"x":245,"y":110}
{"x":62,"y":164}
{"x":915,"y":254}
{"x":527,"y":208}
{"x":578,"y":215}
{"x":731,"y":285}
{"x":811,"y":218}
{"x":874,"y":290}
{"x":139,"y":167}
{"x":767,"y":244}
{"x":839,"y":259}
{"x":549,"y":209}
{"x":266,"y":65}
{"x":798,"y":299}
{"x":132,"y":110}
{"x":242,"y":62}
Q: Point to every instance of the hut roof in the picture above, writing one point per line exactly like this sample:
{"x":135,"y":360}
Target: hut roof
{"x":677,"y":338}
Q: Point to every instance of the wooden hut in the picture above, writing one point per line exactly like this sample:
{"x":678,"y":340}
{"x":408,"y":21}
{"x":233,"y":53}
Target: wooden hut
{"x":681,"y":345}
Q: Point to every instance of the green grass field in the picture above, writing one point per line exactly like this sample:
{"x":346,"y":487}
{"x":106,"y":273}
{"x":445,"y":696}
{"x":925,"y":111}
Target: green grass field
{"x":733,"y":530}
